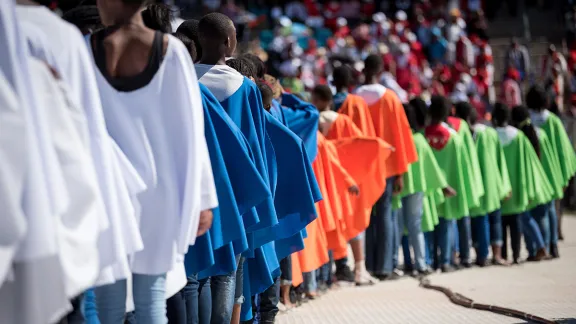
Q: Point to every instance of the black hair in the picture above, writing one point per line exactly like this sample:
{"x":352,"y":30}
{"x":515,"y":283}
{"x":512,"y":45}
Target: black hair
{"x":500,"y":115}
{"x":214,"y":26}
{"x":190,"y":46}
{"x":473,"y":117}
{"x":342,"y":77}
{"x":245,"y":67}
{"x":520,"y":117}
{"x":420,"y":109}
{"x":259,"y":65}
{"x":86,"y":18}
{"x":323,"y":92}
{"x":189,"y":28}
{"x":373,"y":64}
{"x":267,"y":94}
{"x":439,"y":108}
{"x":536,"y":98}
{"x":463,"y":110}
{"x":158,"y":16}
{"x":411,"y":116}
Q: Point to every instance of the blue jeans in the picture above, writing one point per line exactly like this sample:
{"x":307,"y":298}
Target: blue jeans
{"x":149,"y":300}
{"x":464,"y":239}
{"x":540,"y":214}
{"x":223,"y":291}
{"x":239,"y":288}
{"x":532,"y":235}
{"x":408,"y":265}
{"x":198,"y":298}
{"x":481,"y":236}
{"x":310,"y":283}
{"x":495,"y":219}
{"x":430,"y":246}
{"x":553,"y":221}
{"x":381,"y":234}
{"x":267,"y":304}
{"x":443,"y":238}
{"x":410,"y":217}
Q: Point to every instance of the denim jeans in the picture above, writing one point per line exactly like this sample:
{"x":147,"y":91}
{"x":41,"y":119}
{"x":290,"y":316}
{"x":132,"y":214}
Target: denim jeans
{"x":553,"y":221}
{"x":239,"y":288}
{"x":541,"y":217}
{"x":286,"y":271}
{"x":381,"y":234}
{"x":532,"y":235}
{"x":443,"y":238}
{"x":495,"y":219}
{"x":176,"y":309}
{"x":310,"y":283}
{"x":77,"y":314}
{"x":149,"y":300}
{"x":267,"y":304}
{"x":223,"y":290}
{"x":410,"y":217}
{"x":407,"y":253}
{"x":430,"y":243}
{"x":481,"y":236}
{"x":198,"y":298}
{"x":464,"y":239}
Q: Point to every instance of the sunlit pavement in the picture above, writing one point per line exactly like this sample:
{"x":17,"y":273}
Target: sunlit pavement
{"x":546,"y":289}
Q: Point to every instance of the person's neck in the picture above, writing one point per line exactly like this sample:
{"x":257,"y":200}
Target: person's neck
{"x":371,"y":79}
{"x":341,"y":89}
{"x":212,"y":58}
{"x":324,"y":109}
{"x":126,"y":20}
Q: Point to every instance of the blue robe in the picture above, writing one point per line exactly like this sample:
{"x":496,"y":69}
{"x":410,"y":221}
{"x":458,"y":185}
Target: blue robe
{"x":302,"y":118}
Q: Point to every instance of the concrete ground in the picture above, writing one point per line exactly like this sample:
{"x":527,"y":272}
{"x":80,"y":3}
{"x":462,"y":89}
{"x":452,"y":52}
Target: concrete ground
{"x":546,"y":289}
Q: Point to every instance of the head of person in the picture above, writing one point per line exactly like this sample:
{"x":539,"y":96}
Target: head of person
{"x":500,"y":115}
{"x":158,"y":16}
{"x":514,"y":43}
{"x":114,"y":12}
{"x":322,"y":97}
{"x":243,"y":66}
{"x":217,"y":36}
{"x":260,"y":66}
{"x":373,"y":65}
{"x":189,"y":45}
{"x":420,"y":109}
{"x":520,"y":118}
{"x":86,"y":18}
{"x":267,"y":94}
{"x":411,"y":116}
{"x":536,"y":98}
{"x":342,"y":77}
{"x":463,"y":110}
{"x":473,"y":119}
{"x":189,"y":28}
{"x":439,"y":109}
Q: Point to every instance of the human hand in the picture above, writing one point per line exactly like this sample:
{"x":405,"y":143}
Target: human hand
{"x":205,"y":222}
{"x":354,"y":190}
{"x":398,"y":185}
{"x":449,"y":192}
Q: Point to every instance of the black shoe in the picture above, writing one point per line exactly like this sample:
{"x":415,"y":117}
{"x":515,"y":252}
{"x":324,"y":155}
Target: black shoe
{"x":447,"y":268}
{"x":388,"y":277}
{"x":531,"y":259}
{"x":554,"y":251}
{"x":425,"y":272}
{"x":345,"y":274}
{"x":482,"y":263}
{"x":466,"y":265}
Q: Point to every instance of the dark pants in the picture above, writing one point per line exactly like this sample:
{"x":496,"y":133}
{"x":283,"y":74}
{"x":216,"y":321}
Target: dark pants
{"x":286,"y":269}
{"x":176,"y":309}
{"x":265,"y":305}
{"x":76,"y":316}
{"x":464,"y":238}
{"x":512,"y":222}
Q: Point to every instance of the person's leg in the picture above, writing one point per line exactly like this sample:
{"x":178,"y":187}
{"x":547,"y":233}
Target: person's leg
{"x":90,"y":309}
{"x":286,"y":281}
{"x":464,"y":239}
{"x":176,"y":309}
{"x":480,"y":225}
{"x":111,"y":302}
{"x":506,"y":223}
{"x":532,"y":233}
{"x":382,"y":244}
{"x":495,"y":219}
{"x":542,"y":219}
{"x":149,"y":299}
{"x":310,"y":284}
{"x":408,"y":264}
{"x":268,"y":304}
{"x":553,"y":230}
{"x":412,"y":211}
{"x":401,"y":230}
{"x":392,"y":240}
{"x":77,"y":315}
{"x":516,"y":236}
{"x":445,"y":229}
{"x":205,"y":301}
{"x":190,"y":296}
{"x":429,"y":243}
{"x":343,"y":272}
{"x":360,"y":276}
{"x":239,"y":292}
{"x":223,"y":290}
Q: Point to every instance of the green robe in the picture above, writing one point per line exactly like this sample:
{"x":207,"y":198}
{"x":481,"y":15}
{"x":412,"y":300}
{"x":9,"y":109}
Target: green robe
{"x":454,"y":162}
{"x":530,"y":186}
{"x":560,"y":143}
{"x":424,"y":176}
{"x":493,"y":168}
{"x":551,"y":165}
{"x":477,"y":186}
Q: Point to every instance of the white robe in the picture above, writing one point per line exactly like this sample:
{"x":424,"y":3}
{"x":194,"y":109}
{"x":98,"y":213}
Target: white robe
{"x":66,"y":50}
{"x":160,"y":129}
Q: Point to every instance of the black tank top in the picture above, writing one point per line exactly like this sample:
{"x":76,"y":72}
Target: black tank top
{"x":130,"y":83}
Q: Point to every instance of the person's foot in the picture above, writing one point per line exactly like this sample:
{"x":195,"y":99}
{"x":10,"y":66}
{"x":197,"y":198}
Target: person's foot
{"x":482,"y":263}
{"x":554,"y":251}
{"x":516,"y":261}
{"x":447,"y":268}
{"x":500,"y":262}
{"x":312,"y":295}
{"x":465,"y":265}
{"x":395,"y":275}
{"x":322,"y":288}
{"x":363,"y":278}
{"x":541,"y":254}
{"x":425,"y":272}
{"x":345,"y":274}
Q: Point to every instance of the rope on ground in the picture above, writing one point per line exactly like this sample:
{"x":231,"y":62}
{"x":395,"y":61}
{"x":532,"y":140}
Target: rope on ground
{"x":461,"y":300}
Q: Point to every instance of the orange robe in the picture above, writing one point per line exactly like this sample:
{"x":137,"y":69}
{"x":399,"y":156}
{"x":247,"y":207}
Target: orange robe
{"x":392,"y":126}
{"x":357,"y":109}
{"x":364,"y":158}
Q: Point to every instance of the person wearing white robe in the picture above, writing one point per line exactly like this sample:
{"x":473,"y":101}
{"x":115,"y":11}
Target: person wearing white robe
{"x":156,"y":119}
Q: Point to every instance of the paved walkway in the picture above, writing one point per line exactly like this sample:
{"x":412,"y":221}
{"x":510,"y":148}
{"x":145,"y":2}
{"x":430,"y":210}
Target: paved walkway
{"x":546,"y":289}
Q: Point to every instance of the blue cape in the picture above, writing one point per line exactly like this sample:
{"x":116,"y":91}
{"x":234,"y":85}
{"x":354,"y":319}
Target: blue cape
{"x":302,"y":118}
